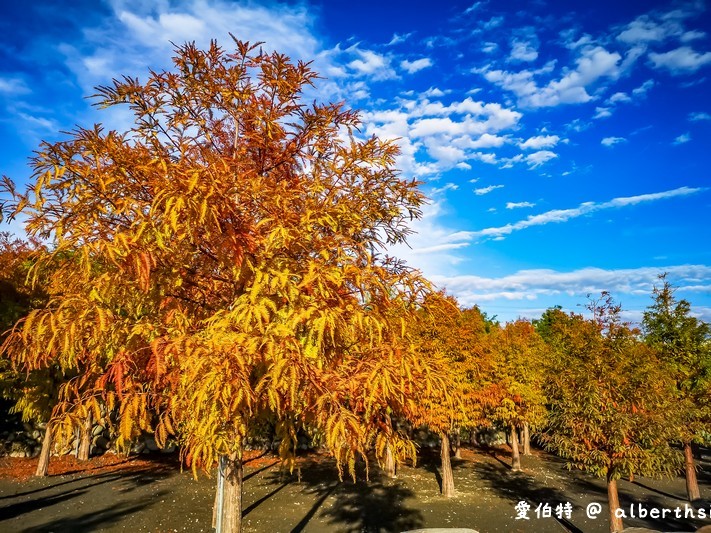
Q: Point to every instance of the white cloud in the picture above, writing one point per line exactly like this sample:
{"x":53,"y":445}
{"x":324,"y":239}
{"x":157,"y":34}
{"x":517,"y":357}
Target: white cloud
{"x":539,"y":141}
{"x":523,"y":51}
{"x":473,"y":7}
{"x":446,"y":187}
{"x":619,"y":97}
{"x":486,"y":190}
{"x":451,"y":134}
{"x":683,"y":138}
{"x":486,"y":140}
{"x":139,"y":35}
{"x":699,"y":116}
{"x":431,"y":246}
{"x":433,"y":92}
{"x":489,"y":47}
{"x":532,"y":284}
{"x":692,"y":35}
{"x":682,"y":60}
{"x":371,"y":63}
{"x":572,"y":41}
{"x":592,"y":65}
{"x":518,"y":205}
{"x":586,"y":208}
{"x":37,"y":122}
{"x":444,"y":153}
{"x":397,"y":38}
{"x":417,"y":65}
{"x":13,"y":86}
{"x":656,"y":27}
{"x":536,"y":159}
{"x":602,"y":112}
{"x":644,"y":30}
{"x":493,"y":22}
{"x":612,"y":141}
{"x":643,"y":89}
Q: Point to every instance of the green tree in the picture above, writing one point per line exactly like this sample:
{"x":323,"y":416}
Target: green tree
{"x":684,"y":347}
{"x":609,"y":401}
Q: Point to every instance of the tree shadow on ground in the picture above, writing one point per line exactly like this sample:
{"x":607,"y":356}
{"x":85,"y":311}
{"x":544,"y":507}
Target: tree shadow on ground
{"x":377,"y":505}
{"x":64,"y":491}
{"x":576,"y":482}
{"x":660,"y":492}
{"x":95,"y":520}
{"x":662,"y":523}
{"x":520,"y":486}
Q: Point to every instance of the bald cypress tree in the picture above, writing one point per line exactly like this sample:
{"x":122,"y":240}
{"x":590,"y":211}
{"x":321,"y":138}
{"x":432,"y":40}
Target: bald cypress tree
{"x":684,"y":347}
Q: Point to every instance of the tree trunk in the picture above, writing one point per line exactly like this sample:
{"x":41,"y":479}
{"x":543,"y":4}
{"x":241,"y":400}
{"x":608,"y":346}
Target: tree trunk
{"x":85,"y":438}
{"x":43,"y":464}
{"x":389,"y":465}
{"x":447,"y":476}
{"x":526,"y":439}
{"x":228,"y":516}
{"x":692,"y":484}
{"x":457,"y":445}
{"x":515,"y":457}
{"x":613,"y":501}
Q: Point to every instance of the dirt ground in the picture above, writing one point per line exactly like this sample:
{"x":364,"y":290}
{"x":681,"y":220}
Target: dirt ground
{"x":150,"y":494}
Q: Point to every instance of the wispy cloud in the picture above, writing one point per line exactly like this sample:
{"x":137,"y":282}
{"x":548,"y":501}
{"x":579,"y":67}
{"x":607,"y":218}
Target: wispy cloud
{"x":531,"y":284}
{"x":699,"y":116}
{"x":539,"y":141}
{"x":643,"y":89}
{"x":536,"y":159}
{"x":586,"y":208}
{"x":13,"y":86}
{"x":592,"y":65}
{"x":416,"y":65}
{"x":518,"y":205}
{"x":683,"y":60}
{"x":523,"y":51}
{"x":683,"y":138}
{"x":399,"y":38}
{"x":612,"y":141}
{"x":486,"y":190}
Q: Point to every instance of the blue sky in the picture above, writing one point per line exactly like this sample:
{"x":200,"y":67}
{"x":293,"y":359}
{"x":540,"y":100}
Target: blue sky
{"x":565,"y":148}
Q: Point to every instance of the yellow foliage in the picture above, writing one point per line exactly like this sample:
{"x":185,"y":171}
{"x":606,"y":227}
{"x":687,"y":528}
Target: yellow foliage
{"x":225,"y":266}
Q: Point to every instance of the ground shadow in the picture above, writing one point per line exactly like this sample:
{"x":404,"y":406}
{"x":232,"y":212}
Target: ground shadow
{"x":660,"y":492}
{"x":65,"y":492}
{"x":95,"y":520}
{"x":376,"y":505}
{"x":670,"y":522}
{"x":520,"y":486}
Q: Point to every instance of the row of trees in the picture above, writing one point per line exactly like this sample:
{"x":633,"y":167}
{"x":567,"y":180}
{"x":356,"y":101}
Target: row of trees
{"x":222,"y":264}
{"x":615,"y":400}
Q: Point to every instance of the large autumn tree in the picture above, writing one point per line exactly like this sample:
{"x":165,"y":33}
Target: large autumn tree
{"x":684,"y":346}
{"x":610,"y":399}
{"x":222,"y":261}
